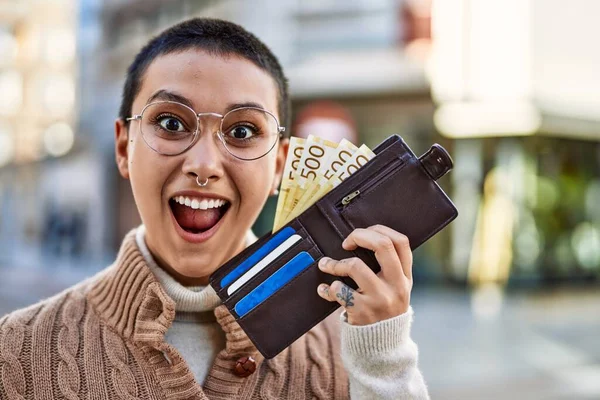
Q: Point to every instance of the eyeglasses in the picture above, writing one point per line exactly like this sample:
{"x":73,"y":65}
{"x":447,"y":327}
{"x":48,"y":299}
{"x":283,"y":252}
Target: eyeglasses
{"x":170,"y":128}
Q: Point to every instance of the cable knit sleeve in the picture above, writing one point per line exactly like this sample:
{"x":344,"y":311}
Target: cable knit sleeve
{"x":381,"y":360}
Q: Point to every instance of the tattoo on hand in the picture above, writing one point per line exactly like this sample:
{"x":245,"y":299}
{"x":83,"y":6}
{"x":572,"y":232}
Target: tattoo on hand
{"x":347,"y":296}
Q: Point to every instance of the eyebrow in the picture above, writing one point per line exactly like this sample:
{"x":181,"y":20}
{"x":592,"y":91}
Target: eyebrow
{"x":174,"y":96}
{"x":169,"y":96}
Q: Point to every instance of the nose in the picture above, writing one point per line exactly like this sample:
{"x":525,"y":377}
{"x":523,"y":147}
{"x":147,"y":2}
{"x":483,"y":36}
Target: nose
{"x":204,"y":160}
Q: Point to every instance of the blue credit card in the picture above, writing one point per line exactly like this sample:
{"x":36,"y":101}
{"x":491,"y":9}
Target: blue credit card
{"x":273,"y":283}
{"x":264,"y":263}
{"x":258,"y":255}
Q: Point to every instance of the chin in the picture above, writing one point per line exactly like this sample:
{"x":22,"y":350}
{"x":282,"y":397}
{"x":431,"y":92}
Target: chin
{"x":195,"y":267}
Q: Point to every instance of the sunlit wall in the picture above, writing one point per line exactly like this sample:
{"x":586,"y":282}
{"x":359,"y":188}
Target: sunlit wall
{"x":514,"y":88}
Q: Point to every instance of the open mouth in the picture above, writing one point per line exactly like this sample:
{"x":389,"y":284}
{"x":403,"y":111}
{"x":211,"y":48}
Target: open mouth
{"x":197,"y":215}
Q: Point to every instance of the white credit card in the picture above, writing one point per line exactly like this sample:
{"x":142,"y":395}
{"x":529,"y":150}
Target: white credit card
{"x":279,"y":250}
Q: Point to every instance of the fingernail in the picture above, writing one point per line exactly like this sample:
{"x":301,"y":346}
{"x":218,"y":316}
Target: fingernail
{"x":322,"y":261}
{"x":323,"y":288}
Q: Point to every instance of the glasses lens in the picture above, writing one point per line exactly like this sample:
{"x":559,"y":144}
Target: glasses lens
{"x":249,"y":133}
{"x":168,"y":128}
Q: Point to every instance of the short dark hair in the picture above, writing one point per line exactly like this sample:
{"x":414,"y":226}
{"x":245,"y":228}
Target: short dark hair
{"x":217,"y":37}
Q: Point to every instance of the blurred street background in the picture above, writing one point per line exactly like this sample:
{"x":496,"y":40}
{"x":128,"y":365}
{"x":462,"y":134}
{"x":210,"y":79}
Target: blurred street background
{"x":507,"y":298}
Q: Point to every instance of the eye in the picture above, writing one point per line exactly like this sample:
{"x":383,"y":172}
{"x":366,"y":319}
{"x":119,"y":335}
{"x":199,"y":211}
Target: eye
{"x":171,"y":124}
{"x":242,"y":132}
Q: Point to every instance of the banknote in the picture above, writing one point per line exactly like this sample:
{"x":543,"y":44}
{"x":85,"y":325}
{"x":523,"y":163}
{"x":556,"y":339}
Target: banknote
{"x":317,"y":151}
{"x":351,"y":165}
{"x":342,"y":153}
{"x":295,"y":151}
{"x":315,"y":166}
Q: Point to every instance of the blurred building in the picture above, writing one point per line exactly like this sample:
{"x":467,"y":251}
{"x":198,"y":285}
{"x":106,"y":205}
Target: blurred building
{"x":517,"y":91}
{"x":38,"y":77}
{"x":513,"y":98}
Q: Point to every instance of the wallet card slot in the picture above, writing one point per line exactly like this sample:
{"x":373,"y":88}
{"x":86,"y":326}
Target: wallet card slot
{"x":295,"y":308}
{"x":226,"y":269}
{"x":260,"y":253}
{"x":306,"y":244}
{"x":263,"y":263}
{"x":274,"y":283}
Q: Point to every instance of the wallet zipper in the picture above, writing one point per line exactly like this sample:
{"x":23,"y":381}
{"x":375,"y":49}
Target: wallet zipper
{"x":346,"y":200}
{"x":382,"y":173}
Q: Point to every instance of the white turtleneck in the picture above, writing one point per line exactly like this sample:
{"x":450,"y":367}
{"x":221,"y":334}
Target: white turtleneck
{"x":195,"y":332}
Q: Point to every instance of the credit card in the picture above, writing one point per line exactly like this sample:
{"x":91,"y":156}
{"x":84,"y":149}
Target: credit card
{"x":273,"y":283}
{"x":258,"y":255}
{"x":279,"y":250}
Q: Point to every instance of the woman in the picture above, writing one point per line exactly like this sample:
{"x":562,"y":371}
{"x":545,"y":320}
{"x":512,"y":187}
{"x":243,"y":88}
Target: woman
{"x":149,"y":326}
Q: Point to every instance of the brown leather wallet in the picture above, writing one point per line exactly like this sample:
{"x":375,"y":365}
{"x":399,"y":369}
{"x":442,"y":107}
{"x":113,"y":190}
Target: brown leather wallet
{"x":271,"y":286}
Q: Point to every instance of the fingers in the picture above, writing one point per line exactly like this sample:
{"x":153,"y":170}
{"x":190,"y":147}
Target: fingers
{"x":402,"y":246}
{"x":340,"y":292}
{"x":384,"y":248}
{"x":355,"y":268}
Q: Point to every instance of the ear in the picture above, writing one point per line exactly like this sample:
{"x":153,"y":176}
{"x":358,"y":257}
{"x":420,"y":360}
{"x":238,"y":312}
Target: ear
{"x":282,"y":151}
{"x":122,"y":148}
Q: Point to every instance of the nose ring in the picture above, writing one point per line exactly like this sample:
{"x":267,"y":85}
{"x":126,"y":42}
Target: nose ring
{"x":203,"y":183}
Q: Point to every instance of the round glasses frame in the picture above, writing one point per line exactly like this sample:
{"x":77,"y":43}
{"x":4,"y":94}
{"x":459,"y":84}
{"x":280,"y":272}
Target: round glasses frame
{"x":219,"y":133}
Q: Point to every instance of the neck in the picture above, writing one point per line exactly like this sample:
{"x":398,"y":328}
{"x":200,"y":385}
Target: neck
{"x":182,"y":279}
{"x":186,"y":280}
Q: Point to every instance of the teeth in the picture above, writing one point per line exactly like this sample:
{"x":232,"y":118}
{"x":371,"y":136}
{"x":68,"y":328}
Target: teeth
{"x":199,"y":203}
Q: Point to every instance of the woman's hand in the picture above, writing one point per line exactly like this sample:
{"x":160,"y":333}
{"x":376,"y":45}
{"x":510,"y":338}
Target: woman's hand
{"x":380,"y":296}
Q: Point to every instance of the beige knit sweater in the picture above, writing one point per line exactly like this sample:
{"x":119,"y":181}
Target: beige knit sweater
{"x":104,"y":339}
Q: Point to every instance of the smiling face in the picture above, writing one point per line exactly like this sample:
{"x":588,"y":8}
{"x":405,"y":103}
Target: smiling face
{"x":192,"y":230}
